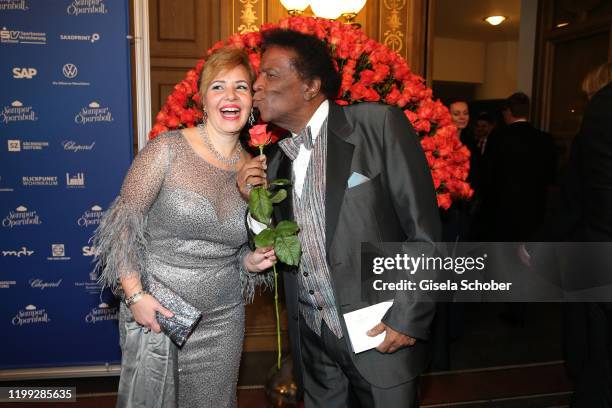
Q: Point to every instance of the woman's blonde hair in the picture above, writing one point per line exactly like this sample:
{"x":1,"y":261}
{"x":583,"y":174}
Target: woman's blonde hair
{"x":225,"y":58}
{"x":597,"y":79}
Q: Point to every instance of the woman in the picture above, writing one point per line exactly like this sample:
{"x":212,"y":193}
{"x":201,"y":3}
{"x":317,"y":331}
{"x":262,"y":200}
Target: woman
{"x":460,"y":113}
{"x":180,"y":219}
{"x":587,"y":217}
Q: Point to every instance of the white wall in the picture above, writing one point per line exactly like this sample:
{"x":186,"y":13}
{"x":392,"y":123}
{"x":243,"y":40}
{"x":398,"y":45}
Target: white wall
{"x":458,"y":60}
{"x":500,"y":80}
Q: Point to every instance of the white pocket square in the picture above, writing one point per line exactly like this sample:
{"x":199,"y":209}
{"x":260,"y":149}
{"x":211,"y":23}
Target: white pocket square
{"x":356,"y":179}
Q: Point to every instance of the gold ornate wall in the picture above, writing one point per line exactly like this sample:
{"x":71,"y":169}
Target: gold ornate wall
{"x":182,"y":30}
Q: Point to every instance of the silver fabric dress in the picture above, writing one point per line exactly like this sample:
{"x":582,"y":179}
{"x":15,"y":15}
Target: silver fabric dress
{"x":181,"y":220}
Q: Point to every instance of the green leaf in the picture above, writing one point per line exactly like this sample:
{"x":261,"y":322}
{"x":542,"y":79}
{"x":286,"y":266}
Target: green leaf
{"x":280,"y":182}
{"x":288,"y":249}
{"x":265,"y":238}
{"x":279,"y":196}
{"x":260,"y":204}
{"x":286,"y":228}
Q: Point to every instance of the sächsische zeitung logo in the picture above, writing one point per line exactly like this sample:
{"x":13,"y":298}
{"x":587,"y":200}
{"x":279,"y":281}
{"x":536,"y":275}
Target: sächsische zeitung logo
{"x":93,"y":113}
{"x":78,"y":7}
{"x":17,"y":112}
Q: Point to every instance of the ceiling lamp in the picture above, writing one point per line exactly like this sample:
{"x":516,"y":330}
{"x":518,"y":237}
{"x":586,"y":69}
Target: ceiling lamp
{"x":351,"y":9}
{"x":330,"y":9}
{"x":295,"y":7}
{"x":495,"y":20}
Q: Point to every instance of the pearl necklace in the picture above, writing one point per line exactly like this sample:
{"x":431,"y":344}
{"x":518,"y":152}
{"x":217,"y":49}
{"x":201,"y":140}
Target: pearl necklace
{"x":231,"y":161}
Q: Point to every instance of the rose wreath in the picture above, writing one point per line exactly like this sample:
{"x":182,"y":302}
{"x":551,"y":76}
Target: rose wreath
{"x":370,"y":72}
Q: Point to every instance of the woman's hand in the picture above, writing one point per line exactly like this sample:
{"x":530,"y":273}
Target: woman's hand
{"x":252,"y":174}
{"x":144,"y":312}
{"x":260,"y":260}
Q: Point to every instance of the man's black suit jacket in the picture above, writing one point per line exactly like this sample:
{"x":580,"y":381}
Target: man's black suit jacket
{"x":397,"y":203}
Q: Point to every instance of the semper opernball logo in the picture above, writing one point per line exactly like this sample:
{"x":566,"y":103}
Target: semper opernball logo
{"x":102,"y":313}
{"x":14,"y":5}
{"x":30,"y":315}
{"x":93,"y":113}
{"x":21,"y":217}
{"x":78,"y":7}
{"x":91,"y":217}
{"x":17,"y":112}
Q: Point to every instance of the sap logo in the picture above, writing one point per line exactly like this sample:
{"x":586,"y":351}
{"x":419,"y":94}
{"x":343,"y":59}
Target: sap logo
{"x":24,"y":73}
{"x":89,"y":251}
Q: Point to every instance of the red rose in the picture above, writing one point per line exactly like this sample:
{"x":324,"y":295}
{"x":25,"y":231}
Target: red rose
{"x":259,"y":136}
{"x":444,"y":200}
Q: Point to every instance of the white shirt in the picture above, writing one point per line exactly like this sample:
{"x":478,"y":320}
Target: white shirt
{"x":300,"y":164}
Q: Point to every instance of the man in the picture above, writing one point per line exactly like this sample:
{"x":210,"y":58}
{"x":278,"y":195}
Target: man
{"x":363,"y":177}
{"x":518,"y":167}
{"x":483,"y":127}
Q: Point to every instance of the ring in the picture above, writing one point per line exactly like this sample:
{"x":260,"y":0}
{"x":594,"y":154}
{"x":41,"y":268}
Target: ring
{"x":249,"y":186}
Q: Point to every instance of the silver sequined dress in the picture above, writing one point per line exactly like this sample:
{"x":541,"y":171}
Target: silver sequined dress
{"x":180,"y":219}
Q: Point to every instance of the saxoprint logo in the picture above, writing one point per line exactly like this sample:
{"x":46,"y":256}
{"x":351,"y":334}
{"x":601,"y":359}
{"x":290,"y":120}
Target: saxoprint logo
{"x":21,"y":217}
{"x":14,"y":5}
{"x":93,"y":112}
{"x":18,"y":112}
{"x":30,"y":315}
{"x":78,"y":7}
{"x":91,"y":217}
{"x":92,"y":38}
{"x":70,"y":70}
{"x":8,"y":36}
{"x":24,"y":72}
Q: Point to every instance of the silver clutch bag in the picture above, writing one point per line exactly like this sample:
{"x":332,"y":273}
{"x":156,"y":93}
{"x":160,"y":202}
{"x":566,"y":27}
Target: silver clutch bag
{"x":180,"y":326}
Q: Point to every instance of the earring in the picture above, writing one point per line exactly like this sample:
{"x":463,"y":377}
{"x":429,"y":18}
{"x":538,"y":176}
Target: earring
{"x":251,"y":118}
{"x":205,"y":115}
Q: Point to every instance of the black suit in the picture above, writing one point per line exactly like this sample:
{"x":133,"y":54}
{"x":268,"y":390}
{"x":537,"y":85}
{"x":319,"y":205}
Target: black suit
{"x":587,"y":216}
{"x":396,"y":204}
{"x":519,"y":165}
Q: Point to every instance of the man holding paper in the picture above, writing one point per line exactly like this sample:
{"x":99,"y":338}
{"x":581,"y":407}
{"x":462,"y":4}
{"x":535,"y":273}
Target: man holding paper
{"x":359,"y":174}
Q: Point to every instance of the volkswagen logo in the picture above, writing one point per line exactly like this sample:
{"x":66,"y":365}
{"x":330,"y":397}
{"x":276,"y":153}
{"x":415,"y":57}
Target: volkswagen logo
{"x":70,"y":71}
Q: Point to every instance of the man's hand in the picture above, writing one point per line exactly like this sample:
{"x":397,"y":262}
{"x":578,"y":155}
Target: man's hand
{"x":252,"y":174}
{"x":393,"y":340}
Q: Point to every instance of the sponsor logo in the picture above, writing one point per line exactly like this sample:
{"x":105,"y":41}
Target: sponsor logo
{"x":92,"y":286}
{"x":90,"y":217}
{"x":30,"y":315}
{"x":78,"y":7}
{"x":75,"y":181}
{"x":20,"y":217}
{"x":14,"y":5}
{"x":92,"y":38}
{"x":18,"y":145}
{"x":7,"y":284}
{"x":30,"y":181}
{"x":70,"y":71}
{"x":90,"y":251}
{"x":93,"y":112}
{"x":24,"y":73}
{"x":58,"y":253}
{"x":72,"y":146}
{"x":36,"y":283}
{"x":8,"y":36}
{"x":17,"y":112}
{"x":14,"y":145}
{"x":23,"y":251}
{"x":102,"y":313}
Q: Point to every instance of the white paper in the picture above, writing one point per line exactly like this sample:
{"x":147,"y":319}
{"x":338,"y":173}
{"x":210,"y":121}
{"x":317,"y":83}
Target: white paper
{"x":359,"y":321}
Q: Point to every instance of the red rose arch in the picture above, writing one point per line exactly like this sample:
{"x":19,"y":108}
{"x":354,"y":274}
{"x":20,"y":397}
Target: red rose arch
{"x":370,"y":72}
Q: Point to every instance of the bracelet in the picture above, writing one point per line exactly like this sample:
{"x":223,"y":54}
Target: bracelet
{"x":135,"y":298}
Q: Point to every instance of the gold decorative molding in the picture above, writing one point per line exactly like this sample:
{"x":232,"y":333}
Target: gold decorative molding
{"x":394,"y":38}
{"x":248,"y":18}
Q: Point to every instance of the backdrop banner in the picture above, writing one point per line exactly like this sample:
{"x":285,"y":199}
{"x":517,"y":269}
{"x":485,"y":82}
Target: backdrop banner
{"x":66,"y":142}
